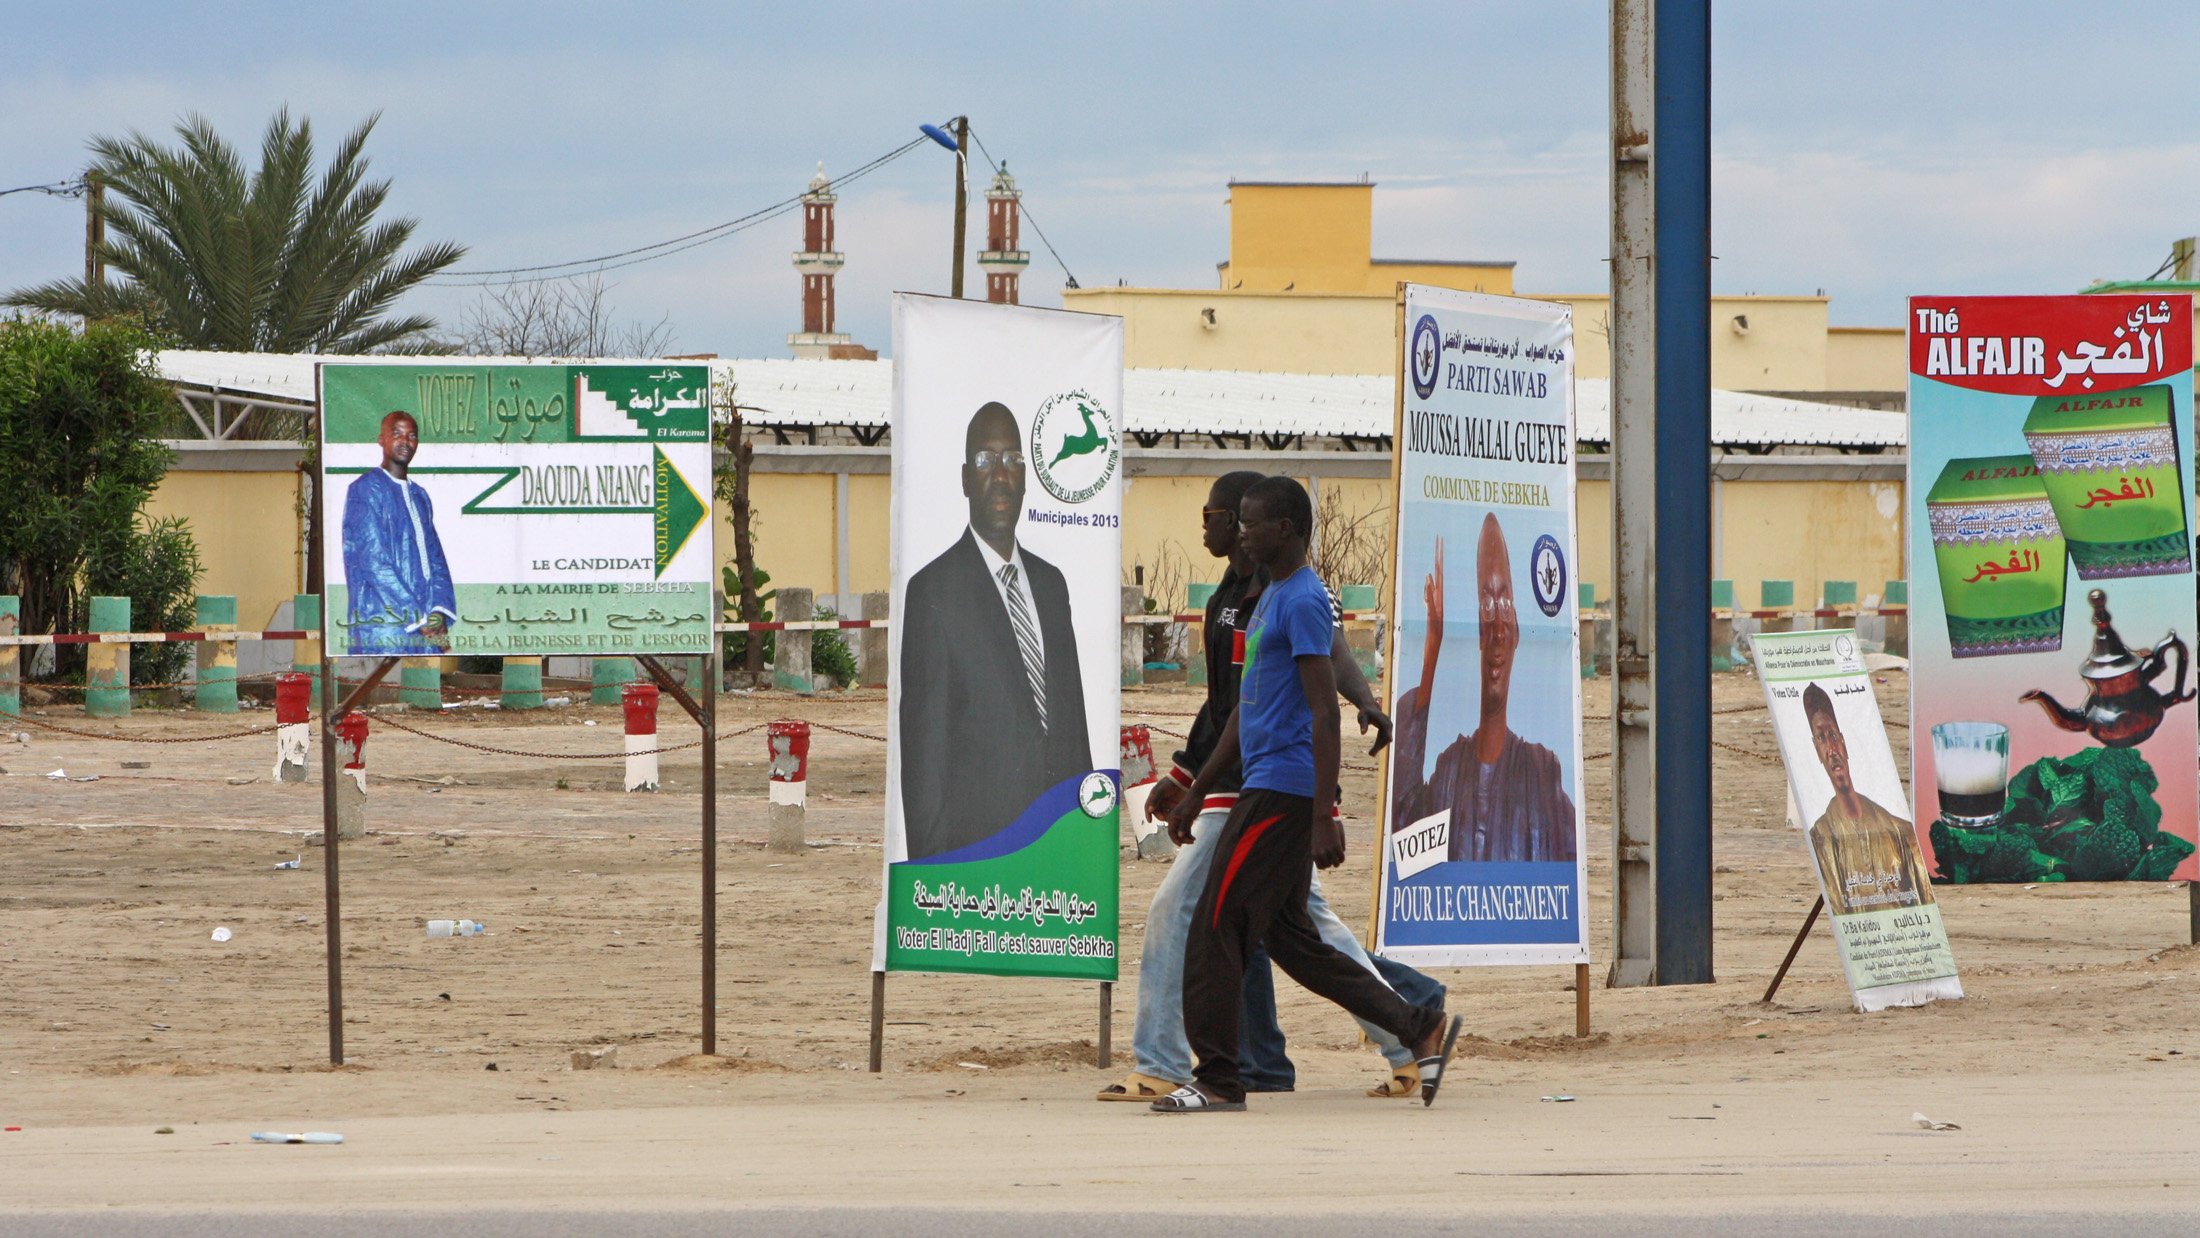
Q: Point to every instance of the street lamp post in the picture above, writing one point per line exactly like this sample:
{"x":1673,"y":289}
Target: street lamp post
{"x":959,"y":142}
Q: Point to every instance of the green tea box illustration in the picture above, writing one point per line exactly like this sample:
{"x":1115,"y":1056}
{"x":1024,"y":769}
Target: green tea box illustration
{"x":2109,"y":461}
{"x":2000,"y":555}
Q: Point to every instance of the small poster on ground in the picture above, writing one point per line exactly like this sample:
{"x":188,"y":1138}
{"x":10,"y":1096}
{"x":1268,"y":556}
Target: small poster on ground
{"x":515,"y":510}
{"x":1002,"y":769}
{"x":1841,"y":771}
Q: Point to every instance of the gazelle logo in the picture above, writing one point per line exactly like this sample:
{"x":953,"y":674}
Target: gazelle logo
{"x":1074,"y":446}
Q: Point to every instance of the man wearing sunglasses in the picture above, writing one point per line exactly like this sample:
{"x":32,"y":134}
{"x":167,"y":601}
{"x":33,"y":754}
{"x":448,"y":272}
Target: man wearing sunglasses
{"x":992,"y":702}
{"x":1162,"y":1050}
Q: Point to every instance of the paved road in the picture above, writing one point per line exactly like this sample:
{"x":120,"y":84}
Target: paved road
{"x":942,"y":1223}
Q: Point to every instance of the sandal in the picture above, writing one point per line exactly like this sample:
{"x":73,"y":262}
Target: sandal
{"x":1404,"y":1081}
{"x":1432,"y":1068}
{"x":1192,"y":1100}
{"x":1137,"y":1087}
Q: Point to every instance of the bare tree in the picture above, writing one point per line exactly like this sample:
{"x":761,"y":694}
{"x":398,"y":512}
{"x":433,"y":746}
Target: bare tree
{"x":557,"y":318}
{"x":1351,"y":547}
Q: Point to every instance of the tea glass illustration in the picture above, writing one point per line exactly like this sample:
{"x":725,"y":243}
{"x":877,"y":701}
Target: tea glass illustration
{"x":1971,"y":766}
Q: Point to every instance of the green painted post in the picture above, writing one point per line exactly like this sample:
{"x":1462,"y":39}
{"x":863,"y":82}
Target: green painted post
{"x":1722,"y":595}
{"x":1585,"y":596}
{"x":217,"y":659}
{"x":305,"y":615}
{"x":1898,"y":593}
{"x":1196,"y":597}
{"x":420,"y":683}
{"x":107,"y":667}
{"x":11,"y":657}
{"x":1360,"y":637}
{"x":1839,"y":593}
{"x":606,"y":675}
{"x":1776,"y":595}
{"x":522,"y":684}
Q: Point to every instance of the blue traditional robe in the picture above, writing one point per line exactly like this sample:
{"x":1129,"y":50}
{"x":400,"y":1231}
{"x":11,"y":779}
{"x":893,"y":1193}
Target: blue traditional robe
{"x":393,"y":567}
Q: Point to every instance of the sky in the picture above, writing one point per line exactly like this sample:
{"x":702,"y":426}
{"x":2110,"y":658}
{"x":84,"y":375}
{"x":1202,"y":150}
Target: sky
{"x":1867,"y":150}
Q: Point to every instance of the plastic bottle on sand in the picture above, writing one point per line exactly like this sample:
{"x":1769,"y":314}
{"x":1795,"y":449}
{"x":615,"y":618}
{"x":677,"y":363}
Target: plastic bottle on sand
{"x":456,"y":928}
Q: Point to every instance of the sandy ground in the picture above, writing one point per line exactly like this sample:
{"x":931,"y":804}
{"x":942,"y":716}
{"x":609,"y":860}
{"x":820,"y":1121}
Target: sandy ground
{"x":2071,"y":1065}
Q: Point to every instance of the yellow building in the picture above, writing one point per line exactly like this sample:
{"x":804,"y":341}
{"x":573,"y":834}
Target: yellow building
{"x":1302,"y":292}
{"x":1319,"y":237}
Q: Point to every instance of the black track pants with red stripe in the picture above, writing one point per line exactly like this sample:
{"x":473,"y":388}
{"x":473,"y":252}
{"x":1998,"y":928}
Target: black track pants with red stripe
{"x":1256,"y":891}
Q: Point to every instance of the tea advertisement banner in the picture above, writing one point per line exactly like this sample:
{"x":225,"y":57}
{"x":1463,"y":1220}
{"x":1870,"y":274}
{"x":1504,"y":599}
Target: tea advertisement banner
{"x":2052,"y":588}
{"x":1002,"y":769}
{"x":1482,"y":809}
{"x":520,"y":510}
{"x":1840,"y":767}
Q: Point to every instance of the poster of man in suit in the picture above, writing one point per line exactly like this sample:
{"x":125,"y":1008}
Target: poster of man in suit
{"x":1002,"y":818}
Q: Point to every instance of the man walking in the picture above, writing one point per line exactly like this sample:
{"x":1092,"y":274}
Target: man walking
{"x":1258,"y":883}
{"x":1163,"y":1055}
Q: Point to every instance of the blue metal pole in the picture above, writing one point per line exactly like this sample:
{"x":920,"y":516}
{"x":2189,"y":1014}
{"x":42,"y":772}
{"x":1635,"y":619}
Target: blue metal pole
{"x":1681,"y":180}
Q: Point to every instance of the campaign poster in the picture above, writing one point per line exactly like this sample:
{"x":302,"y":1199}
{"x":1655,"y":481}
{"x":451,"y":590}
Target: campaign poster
{"x":2052,"y":589}
{"x":1483,"y":859}
{"x":515,"y":510}
{"x":1004,"y":746}
{"x":1841,"y":770}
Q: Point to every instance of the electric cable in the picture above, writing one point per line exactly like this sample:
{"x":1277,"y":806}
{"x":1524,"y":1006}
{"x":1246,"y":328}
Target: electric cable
{"x":1025,"y":207}
{"x":660,"y":249}
{"x":58,"y":189}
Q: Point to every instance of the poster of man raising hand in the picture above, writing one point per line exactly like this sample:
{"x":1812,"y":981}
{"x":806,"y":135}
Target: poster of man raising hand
{"x":1482,"y":806}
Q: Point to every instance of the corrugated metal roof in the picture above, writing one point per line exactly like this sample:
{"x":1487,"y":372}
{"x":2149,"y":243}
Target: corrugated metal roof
{"x":785,"y":392}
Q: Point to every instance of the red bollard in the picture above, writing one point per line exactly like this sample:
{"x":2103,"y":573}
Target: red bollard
{"x":789,"y":771}
{"x":351,"y":785}
{"x":1139,"y":777}
{"x":351,"y":740}
{"x":639,"y":699}
{"x":293,"y":738}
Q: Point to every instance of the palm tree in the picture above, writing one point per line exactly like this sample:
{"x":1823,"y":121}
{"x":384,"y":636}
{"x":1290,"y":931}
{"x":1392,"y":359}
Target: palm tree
{"x":217,"y":257}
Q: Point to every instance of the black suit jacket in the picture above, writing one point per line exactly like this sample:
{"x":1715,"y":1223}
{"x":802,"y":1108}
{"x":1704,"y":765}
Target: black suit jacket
{"x":973,"y":755}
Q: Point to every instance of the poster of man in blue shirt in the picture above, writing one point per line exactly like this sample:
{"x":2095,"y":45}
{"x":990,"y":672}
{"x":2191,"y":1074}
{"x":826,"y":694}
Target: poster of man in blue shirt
{"x":401,"y":600}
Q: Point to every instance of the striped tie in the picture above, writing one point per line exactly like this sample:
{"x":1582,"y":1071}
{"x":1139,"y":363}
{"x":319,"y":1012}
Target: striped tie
{"x":1027,"y":639}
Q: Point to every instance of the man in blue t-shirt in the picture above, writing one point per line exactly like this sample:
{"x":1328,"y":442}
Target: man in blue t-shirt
{"x":1258,"y":882}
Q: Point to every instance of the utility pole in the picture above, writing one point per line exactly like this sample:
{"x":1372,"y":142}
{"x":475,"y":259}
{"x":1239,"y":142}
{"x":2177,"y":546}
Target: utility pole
{"x":2180,"y":259}
{"x":95,"y":230}
{"x":962,"y":198}
{"x":1661,"y":491}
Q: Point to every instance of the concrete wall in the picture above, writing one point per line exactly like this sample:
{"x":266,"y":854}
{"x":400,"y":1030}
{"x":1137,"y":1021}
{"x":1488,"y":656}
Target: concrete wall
{"x":1785,"y":347}
{"x":1866,"y":359}
{"x":248,"y":531}
{"x":1279,"y":332}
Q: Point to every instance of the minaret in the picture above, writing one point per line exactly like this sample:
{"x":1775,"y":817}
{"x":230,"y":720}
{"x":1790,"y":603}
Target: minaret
{"x":817,"y":261}
{"x":1002,"y":261}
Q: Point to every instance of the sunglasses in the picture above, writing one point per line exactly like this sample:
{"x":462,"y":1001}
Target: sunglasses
{"x":1209,"y":513}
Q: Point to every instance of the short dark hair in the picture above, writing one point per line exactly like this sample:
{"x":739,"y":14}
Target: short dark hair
{"x":1285,"y":498}
{"x":1229,"y":489}
{"x":1815,"y":701}
{"x":988,"y":412}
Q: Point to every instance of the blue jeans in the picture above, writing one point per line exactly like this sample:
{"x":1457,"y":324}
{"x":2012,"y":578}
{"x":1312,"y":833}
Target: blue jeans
{"x":1157,"y":1036}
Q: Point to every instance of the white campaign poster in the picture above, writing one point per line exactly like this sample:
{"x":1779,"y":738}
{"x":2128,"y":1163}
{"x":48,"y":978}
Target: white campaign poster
{"x":1002,"y":813}
{"x":1841,"y":770}
{"x":1484,"y":856}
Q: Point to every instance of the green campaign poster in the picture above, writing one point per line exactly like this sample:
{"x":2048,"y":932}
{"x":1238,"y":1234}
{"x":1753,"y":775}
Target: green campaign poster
{"x":516,"y":510}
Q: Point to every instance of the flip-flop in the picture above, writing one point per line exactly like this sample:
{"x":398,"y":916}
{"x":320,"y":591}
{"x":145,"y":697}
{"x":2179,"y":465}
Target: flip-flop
{"x":1192,"y":1100}
{"x":1136,"y":1086}
{"x":1432,"y":1068}
{"x":1404,"y":1081}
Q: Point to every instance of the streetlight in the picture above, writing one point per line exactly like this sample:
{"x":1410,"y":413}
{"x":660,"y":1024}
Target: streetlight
{"x":957,"y":140}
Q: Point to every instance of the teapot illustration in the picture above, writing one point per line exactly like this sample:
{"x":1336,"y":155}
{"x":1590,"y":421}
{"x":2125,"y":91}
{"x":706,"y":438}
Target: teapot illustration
{"x":2122,"y":707}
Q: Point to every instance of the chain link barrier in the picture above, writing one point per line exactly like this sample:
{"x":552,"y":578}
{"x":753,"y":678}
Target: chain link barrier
{"x":143,"y":739}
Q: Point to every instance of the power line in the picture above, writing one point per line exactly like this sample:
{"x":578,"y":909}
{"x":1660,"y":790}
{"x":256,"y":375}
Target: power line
{"x":58,"y":189}
{"x":659,"y":249}
{"x":1026,"y":209}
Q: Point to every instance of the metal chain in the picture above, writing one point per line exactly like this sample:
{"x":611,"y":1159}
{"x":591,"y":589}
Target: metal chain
{"x":841,"y":730}
{"x":558,"y":756}
{"x":146,"y":739}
